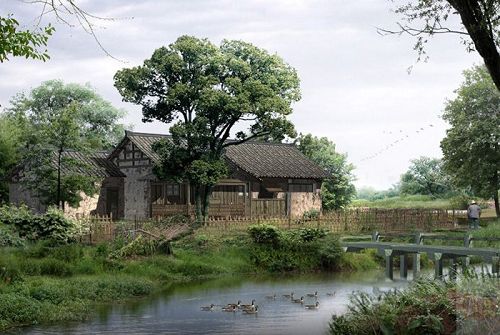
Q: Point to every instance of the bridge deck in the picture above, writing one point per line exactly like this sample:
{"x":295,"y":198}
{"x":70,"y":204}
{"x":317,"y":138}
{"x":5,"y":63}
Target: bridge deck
{"x":419,"y":248}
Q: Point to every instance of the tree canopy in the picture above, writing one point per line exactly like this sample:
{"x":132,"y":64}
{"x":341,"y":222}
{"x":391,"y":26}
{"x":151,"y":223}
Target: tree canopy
{"x":480,"y":30}
{"x":337,"y":191}
{"x":210,"y":94}
{"x":40,"y":126}
{"x":471,"y":147}
{"x":425,"y":176}
{"x":98,"y":120}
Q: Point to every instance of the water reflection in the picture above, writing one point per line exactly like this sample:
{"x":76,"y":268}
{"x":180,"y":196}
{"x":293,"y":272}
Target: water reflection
{"x":177,"y":309}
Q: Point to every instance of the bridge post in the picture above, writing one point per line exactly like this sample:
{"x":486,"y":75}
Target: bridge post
{"x":416,"y":256}
{"x":403,"y":266}
{"x":454,"y":269}
{"x":375,"y":236}
{"x":389,"y":273}
{"x":437,"y":257}
{"x":495,"y":266}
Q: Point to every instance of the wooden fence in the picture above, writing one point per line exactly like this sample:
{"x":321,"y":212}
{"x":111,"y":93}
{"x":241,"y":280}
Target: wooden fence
{"x":350,"y":221}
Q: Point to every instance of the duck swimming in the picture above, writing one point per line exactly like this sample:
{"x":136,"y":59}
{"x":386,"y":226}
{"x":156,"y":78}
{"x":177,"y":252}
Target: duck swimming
{"x":315,"y":294}
{"x":315,"y":306}
{"x":208,"y":308}
{"x":298,"y":301}
{"x":229,"y":309}
{"x":251,"y":311}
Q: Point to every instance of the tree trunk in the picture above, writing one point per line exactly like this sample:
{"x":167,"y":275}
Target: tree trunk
{"x":497,"y":205}
{"x":198,"y":205}
{"x":58,"y":198}
{"x":475,"y":22}
{"x":206,"y":202}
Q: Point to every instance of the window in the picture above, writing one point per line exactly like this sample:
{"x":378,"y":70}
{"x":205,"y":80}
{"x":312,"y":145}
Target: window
{"x":228,"y":194}
{"x":167,"y":194}
{"x":157,"y":194}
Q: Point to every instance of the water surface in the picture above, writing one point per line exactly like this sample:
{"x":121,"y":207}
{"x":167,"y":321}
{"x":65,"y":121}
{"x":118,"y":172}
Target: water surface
{"x":177,"y":310}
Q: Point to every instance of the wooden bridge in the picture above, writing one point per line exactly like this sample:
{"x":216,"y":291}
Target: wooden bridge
{"x":437,"y":253}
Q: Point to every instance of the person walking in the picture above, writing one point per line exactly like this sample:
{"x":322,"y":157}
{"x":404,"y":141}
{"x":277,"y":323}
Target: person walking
{"x":474,"y":213}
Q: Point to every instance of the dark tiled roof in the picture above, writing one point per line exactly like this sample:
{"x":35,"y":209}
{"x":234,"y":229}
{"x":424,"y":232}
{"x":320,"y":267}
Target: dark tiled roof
{"x":260,"y":159}
{"x":274,"y":160}
{"x":95,"y":164}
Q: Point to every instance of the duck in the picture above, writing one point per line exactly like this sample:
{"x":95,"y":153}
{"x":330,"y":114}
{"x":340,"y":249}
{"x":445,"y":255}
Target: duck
{"x":298,"y":301}
{"x":331,"y":294}
{"x":208,"y":308}
{"x":246,"y":306}
{"x":315,"y":294}
{"x":229,"y":309}
{"x":315,"y":306}
{"x":237,"y":305}
{"x":272,"y":297}
{"x":252,"y":310}
{"x":288,"y":295}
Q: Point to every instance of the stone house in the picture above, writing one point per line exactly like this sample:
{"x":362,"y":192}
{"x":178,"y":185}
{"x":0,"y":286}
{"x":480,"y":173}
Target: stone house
{"x":265,"y":179}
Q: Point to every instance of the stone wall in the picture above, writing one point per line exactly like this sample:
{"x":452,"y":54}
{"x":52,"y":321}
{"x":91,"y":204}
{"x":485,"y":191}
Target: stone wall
{"x":301,"y":202}
{"x":136,"y":190}
{"x":18,"y":195}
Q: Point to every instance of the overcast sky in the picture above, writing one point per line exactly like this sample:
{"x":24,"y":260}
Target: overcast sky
{"x":355,"y":86}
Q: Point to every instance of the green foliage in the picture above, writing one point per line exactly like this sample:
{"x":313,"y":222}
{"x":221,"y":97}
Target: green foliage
{"x":9,"y":154}
{"x":337,"y":191}
{"x":208,"y":91}
{"x":51,"y":225}
{"x":424,"y":308}
{"x":9,"y":237}
{"x":311,"y":214}
{"x":22,"y":43}
{"x":330,"y":255}
{"x":425,"y":176}
{"x":265,"y":234}
{"x":470,"y":149}
{"x":369,"y":193}
{"x":405,"y":201}
{"x":311,"y":234}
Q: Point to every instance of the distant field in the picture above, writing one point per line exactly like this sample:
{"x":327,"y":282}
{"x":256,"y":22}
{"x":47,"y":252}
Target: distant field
{"x":414,"y":201}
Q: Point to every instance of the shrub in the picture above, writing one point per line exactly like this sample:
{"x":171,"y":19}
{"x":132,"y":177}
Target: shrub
{"x":55,"y":267}
{"x":311,"y":234}
{"x":19,"y":309}
{"x":10,"y":238}
{"x":264,"y":234}
{"x":330,"y":255}
{"x":311,"y":214}
{"x":67,"y":253}
{"x":173,"y":220}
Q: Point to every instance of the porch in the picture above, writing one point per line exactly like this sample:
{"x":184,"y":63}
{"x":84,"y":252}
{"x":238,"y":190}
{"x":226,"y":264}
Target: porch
{"x":228,"y":199}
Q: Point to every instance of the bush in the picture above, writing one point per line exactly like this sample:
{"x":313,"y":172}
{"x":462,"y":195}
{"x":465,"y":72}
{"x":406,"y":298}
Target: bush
{"x":264,"y":234}
{"x":330,"y":255}
{"x":138,"y":247}
{"x":311,"y":214}
{"x":52,"y":225}
{"x":311,"y":234}
{"x":10,"y":238}
{"x":55,"y":267}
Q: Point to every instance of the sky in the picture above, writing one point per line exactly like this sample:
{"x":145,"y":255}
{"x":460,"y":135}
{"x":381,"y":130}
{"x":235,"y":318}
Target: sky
{"x":355,"y":83}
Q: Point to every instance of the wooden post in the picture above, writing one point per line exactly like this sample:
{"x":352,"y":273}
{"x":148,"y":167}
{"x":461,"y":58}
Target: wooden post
{"x":495,"y":266}
{"x":403,"y":266}
{"x":389,"y":273}
{"x":468,"y":244}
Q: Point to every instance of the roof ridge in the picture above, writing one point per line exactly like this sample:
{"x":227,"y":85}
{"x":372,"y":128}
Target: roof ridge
{"x":132,"y":133}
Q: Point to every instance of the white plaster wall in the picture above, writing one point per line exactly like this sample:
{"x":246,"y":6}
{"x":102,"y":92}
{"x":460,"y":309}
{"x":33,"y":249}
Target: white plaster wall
{"x":86,"y":207}
{"x":301,"y":202}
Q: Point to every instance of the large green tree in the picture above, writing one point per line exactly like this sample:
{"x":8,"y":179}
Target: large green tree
{"x":337,"y":191}
{"x":208,"y":94}
{"x":479,"y":29}
{"x":46,"y":123}
{"x":425,"y":176}
{"x":48,"y":171}
{"x":471,"y":149}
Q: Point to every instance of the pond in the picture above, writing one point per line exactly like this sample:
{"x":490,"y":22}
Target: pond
{"x":177,"y":310}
